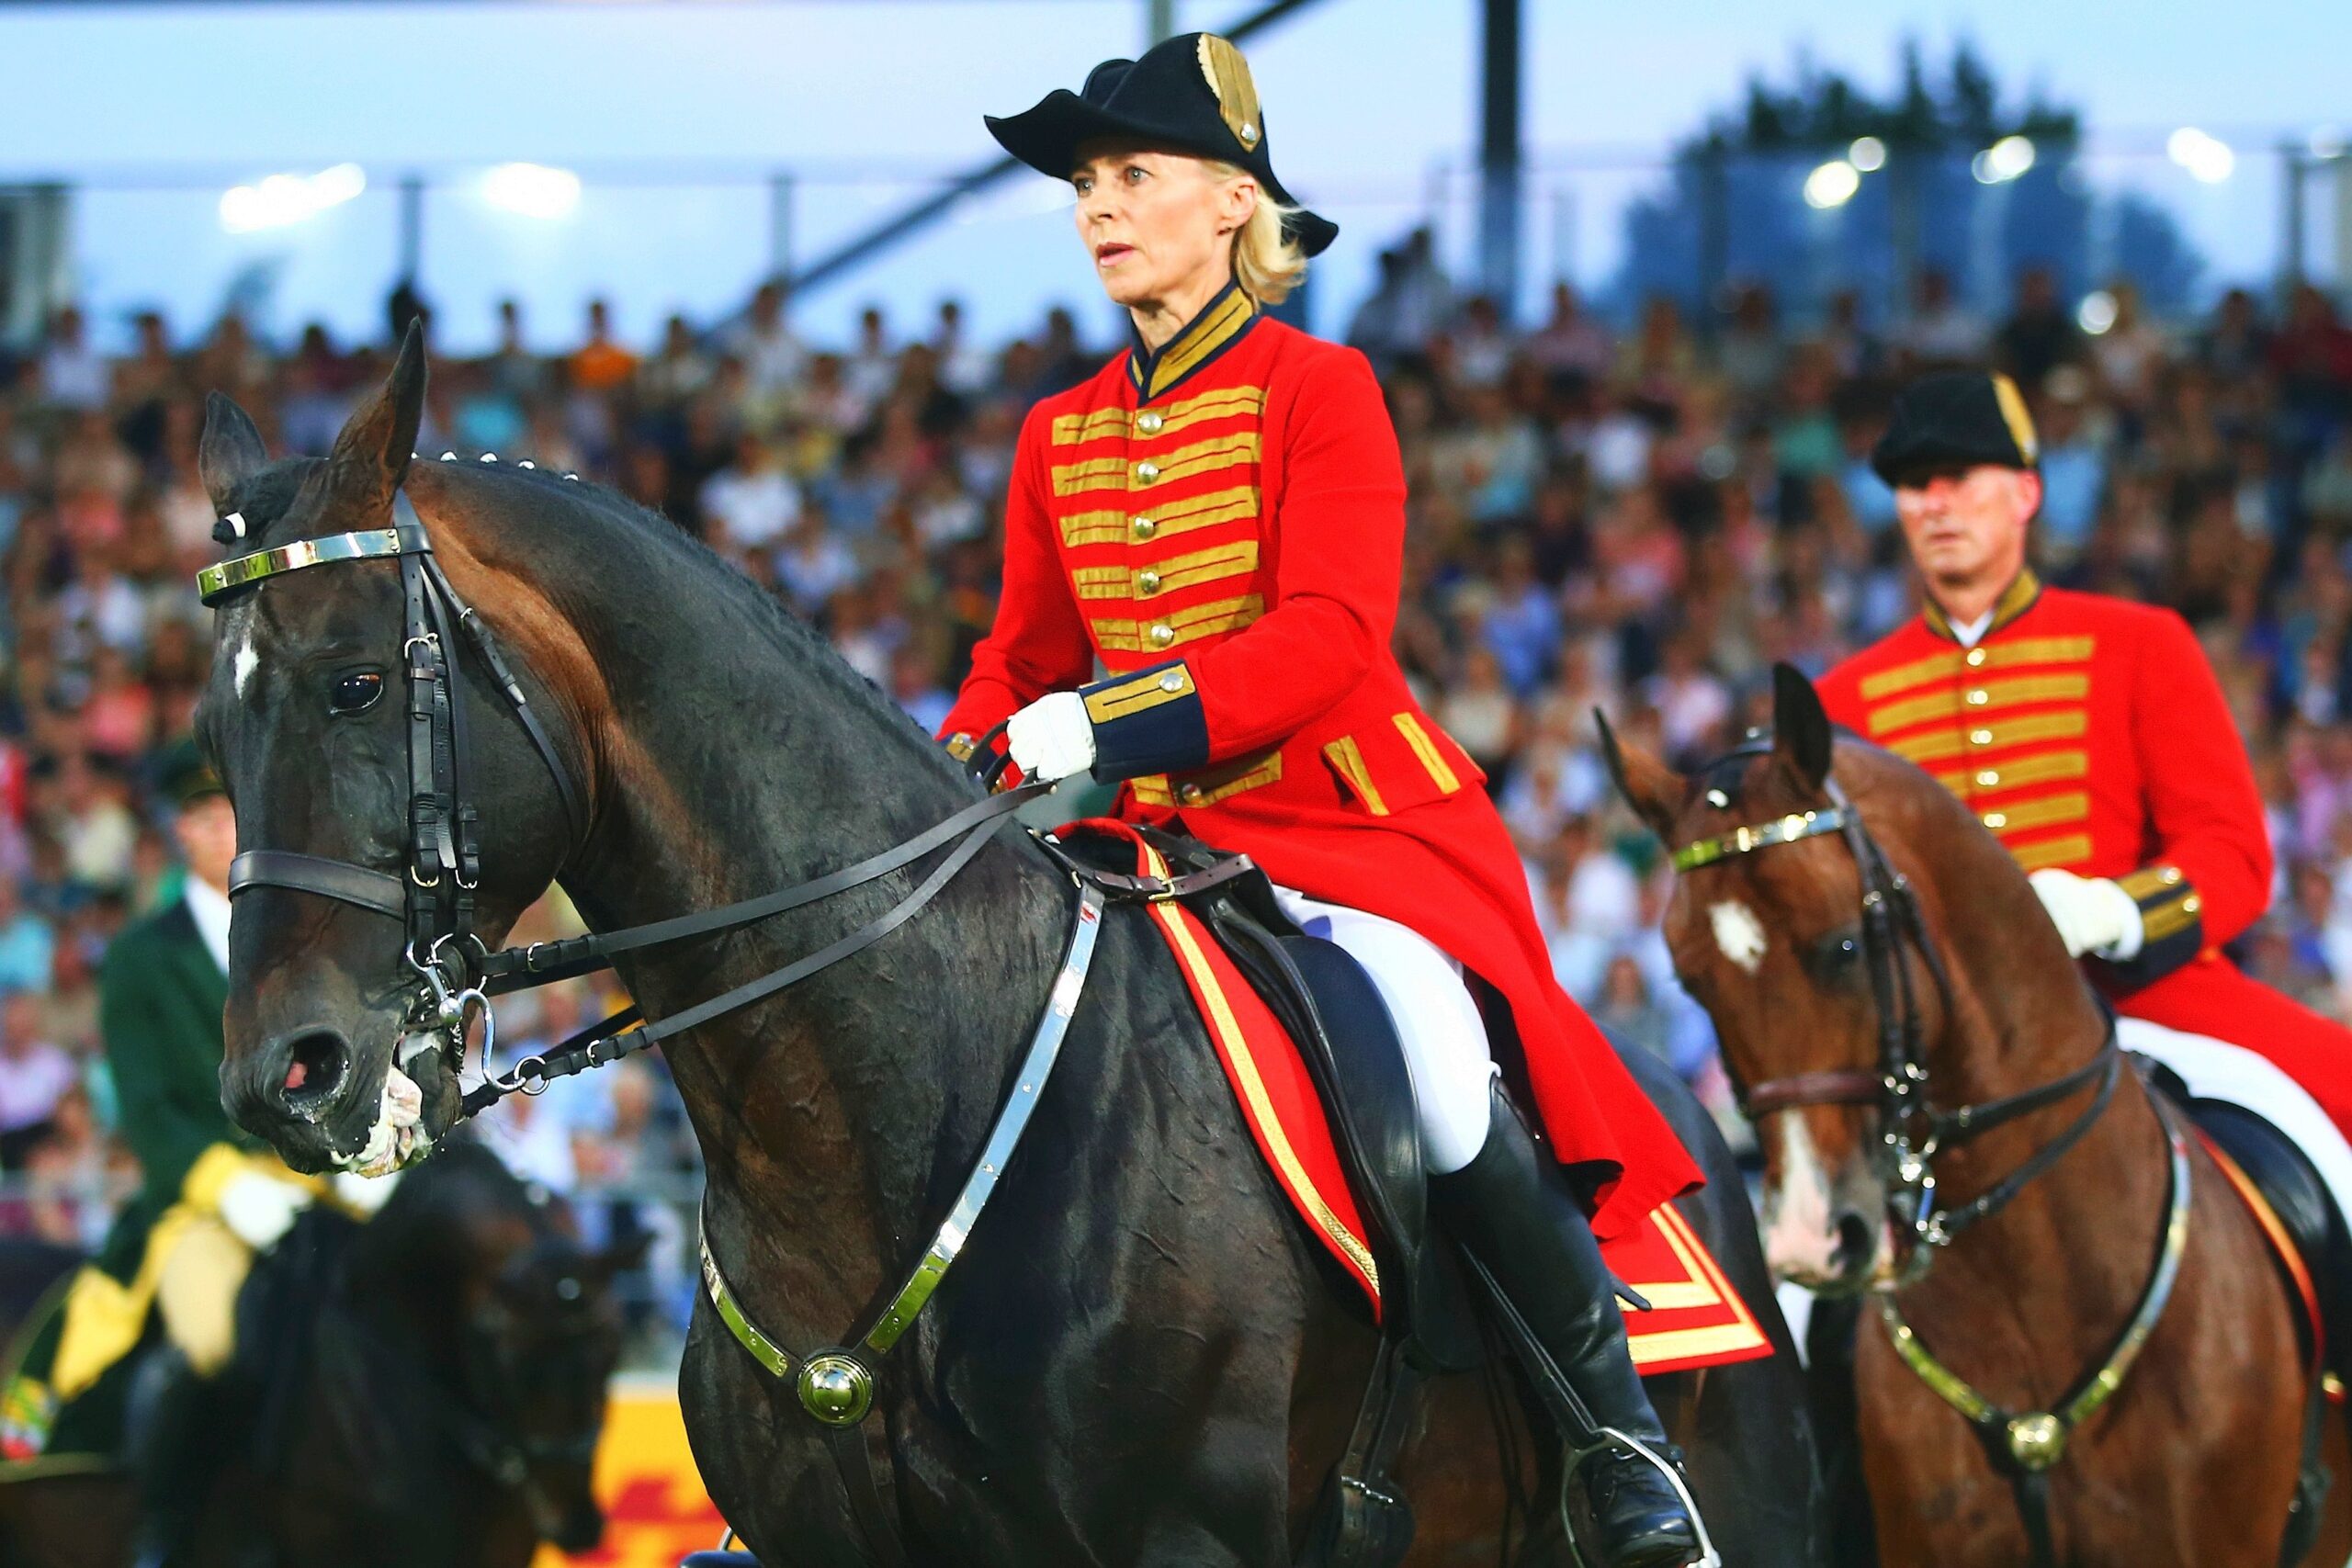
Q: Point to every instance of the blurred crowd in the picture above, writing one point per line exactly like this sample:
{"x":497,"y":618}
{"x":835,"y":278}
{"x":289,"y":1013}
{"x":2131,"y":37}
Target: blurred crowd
{"x":1640,"y":516}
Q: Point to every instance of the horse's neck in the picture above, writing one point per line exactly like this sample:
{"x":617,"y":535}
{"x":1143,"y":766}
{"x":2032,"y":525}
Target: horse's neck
{"x":829,"y":1115}
{"x":2020,"y":1017}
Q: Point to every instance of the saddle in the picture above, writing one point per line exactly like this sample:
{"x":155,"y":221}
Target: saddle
{"x":1333,"y":1013}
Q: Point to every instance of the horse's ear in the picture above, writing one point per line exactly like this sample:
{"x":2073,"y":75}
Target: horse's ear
{"x":372,"y":455}
{"x":1801,"y":734}
{"x":230,"y":452}
{"x":1654,"y":791}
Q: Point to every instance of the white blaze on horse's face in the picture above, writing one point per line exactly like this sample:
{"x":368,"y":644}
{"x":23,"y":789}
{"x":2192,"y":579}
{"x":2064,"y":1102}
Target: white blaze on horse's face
{"x":1800,"y":1238}
{"x":244,"y":661}
{"x":1738,"y":933}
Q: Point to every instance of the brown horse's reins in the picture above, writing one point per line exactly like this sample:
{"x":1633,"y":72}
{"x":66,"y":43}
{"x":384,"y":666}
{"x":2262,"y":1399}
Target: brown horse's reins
{"x":2023,"y":1446}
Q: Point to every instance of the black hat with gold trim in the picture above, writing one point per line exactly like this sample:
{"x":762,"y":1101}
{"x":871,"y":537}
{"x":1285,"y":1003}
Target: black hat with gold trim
{"x":1192,"y":94}
{"x":1956,"y":419}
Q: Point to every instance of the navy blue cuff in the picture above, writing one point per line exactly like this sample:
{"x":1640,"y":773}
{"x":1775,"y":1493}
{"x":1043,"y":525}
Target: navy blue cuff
{"x":2172,"y":925}
{"x":1148,"y":721}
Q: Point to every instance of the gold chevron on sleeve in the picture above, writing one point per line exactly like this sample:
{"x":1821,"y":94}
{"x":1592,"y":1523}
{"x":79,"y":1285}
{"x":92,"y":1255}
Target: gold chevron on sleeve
{"x":1151,"y":690}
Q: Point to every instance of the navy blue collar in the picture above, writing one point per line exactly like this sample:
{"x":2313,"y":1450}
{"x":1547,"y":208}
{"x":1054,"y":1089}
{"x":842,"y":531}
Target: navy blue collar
{"x":1222,"y":323}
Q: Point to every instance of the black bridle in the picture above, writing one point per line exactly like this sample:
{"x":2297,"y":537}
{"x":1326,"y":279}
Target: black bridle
{"x":458,"y":974}
{"x":1912,"y":1131}
{"x":2023,"y":1446}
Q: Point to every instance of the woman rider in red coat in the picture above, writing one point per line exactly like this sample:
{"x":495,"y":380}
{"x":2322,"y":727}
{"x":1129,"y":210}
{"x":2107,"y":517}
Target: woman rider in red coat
{"x":1217,"y":517}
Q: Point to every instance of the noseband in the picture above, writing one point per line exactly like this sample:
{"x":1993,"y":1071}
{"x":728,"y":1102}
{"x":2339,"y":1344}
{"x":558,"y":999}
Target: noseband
{"x":1911,"y":1131}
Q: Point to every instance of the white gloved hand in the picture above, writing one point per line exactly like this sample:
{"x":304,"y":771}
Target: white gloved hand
{"x":2094,"y":915}
{"x":259,"y":1209}
{"x":1052,"y":738}
{"x":362,"y":1195}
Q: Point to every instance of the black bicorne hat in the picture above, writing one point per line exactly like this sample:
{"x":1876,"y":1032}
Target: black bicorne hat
{"x":1192,"y":93}
{"x":1956,"y":419}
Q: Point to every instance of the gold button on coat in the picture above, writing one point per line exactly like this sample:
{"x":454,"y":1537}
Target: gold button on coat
{"x":1148,"y":423}
{"x":1975,"y":658}
{"x":1190,"y":794}
{"x":1979,"y":697}
{"x":1146,"y":472}
{"x":1980,"y":738}
{"x":1172,"y":681}
{"x":1145,"y":527}
{"x":1162,"y":634}
{"x":1147,"y":581}
{"x":1988,"y":778}
{"x":1997,"y":819}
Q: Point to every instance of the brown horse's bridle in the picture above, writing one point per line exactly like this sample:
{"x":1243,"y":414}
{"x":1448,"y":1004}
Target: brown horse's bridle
{"x":2024,"y":1446}
{"x":1912,"y":1132}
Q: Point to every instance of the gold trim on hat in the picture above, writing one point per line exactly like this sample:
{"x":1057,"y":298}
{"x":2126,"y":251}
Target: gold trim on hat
{"x":1235,"y":93}
{"x":2015,"y":414}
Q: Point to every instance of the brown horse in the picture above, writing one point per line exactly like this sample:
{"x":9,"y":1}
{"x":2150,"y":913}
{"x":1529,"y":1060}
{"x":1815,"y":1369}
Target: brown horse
{"x":1874,"y":961}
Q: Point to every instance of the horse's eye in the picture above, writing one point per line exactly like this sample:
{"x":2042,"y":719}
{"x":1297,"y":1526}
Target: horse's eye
{"x":357,"y":692}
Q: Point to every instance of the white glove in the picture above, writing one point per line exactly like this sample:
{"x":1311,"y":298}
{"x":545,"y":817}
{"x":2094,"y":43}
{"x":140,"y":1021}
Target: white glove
{"x":2093,"y":914}
{"x":362,"y":1195}
{"x":1052,"y":738}
{"x":259,"y":1209}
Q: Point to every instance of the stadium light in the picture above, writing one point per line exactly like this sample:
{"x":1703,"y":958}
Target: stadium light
{"x":532,"y":190}
{"x":1832,"y":184}
{"x":2207,"y":158}
{"x":283,"y":199}
{"x":2003,"y":161}
{"x":1868,"y":154}
{"x":2096,"y":315}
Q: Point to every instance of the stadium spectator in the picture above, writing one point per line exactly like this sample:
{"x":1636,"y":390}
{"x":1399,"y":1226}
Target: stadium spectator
{"x":1628,"y":508}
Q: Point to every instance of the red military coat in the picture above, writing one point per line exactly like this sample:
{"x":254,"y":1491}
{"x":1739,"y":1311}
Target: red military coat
{"x":2089,"y":733}
{"x":1221,"y":524}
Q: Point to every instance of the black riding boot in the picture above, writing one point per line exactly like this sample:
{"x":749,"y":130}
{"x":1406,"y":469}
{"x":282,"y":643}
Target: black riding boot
{"x":1512,"y":1210}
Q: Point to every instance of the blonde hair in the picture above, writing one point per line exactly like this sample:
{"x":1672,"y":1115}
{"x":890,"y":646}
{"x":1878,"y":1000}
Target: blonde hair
{"x":1267,"y":263}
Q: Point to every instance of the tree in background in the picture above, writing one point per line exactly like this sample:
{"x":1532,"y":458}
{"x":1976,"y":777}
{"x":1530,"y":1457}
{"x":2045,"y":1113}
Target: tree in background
{"x":1819,"y":186}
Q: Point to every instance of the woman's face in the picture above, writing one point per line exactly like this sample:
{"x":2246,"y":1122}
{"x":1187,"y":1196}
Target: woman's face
{"x":1157,"y":224}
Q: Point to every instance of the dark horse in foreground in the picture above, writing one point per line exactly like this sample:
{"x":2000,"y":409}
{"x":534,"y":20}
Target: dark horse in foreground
{"x":1851,"y":928}
{"x":1141,"y":1357}
{"x":421,"y":1390}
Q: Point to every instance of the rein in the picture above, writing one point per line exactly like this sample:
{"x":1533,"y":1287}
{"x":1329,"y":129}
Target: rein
{"x":458,"y":975}
{"x":2024,"y":1446}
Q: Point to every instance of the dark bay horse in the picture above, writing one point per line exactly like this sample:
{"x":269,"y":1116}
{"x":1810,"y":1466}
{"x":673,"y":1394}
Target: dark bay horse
{"x":1792,"y":923}
{"x":425,"y":1388}
{"x":1140,"y":1357}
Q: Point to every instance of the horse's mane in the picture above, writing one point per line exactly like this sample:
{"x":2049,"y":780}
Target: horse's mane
{"x":267,"y":496}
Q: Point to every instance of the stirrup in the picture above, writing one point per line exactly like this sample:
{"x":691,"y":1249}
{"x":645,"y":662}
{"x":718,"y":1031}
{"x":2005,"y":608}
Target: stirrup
{"x":1610,"y":1440}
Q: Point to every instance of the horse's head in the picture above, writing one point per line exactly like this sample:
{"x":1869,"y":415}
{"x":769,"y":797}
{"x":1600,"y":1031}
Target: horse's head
{"x":486,"y":1278}
{"x":543,"y":1336}
{"x":1768,"y":933}
{"x":308,"y":717}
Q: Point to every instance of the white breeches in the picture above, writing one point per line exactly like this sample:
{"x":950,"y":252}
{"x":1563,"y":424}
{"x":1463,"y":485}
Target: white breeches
{"x":1445,"y":1038}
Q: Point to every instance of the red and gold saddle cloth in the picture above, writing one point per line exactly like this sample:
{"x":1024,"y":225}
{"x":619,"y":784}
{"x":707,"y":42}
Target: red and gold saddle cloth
{"x":1697,"y":1319}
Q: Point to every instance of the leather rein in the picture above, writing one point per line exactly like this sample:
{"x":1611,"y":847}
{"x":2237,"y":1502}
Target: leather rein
{"x":2023,"y":1446}
{"x":458,"y":975}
